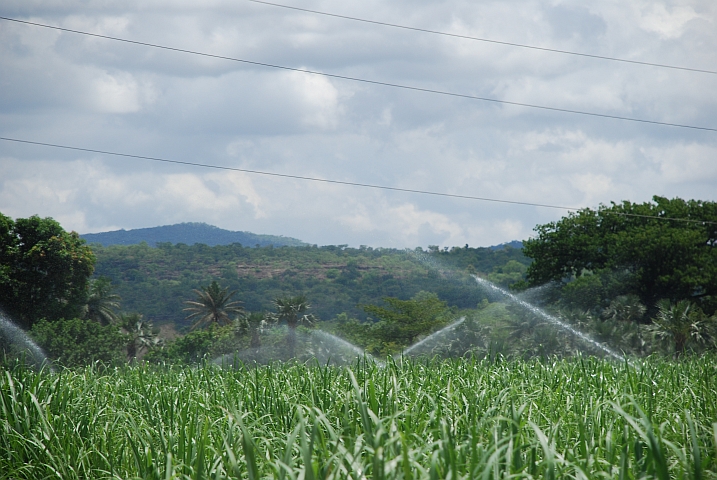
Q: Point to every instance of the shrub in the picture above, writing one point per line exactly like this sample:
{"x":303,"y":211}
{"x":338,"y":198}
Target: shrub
{"x":76,"y":342}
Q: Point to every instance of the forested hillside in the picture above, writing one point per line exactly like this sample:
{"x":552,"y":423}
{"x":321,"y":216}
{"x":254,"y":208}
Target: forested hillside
{"x":335,"y":279}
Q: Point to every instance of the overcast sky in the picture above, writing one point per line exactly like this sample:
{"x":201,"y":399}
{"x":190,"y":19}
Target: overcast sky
{"x":75,"y":90}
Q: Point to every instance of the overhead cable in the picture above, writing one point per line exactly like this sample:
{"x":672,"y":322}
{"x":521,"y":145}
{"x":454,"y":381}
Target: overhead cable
{"x":487,"y":40}
{"x":324,"y":180}
{"x":367,"y":81}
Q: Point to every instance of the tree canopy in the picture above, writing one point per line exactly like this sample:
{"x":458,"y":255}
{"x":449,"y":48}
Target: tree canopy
{"x":292,"y":311}
{"x":76,"y":342}
{"x":213,"y":306}
{"x":102,"y":304}
{"x":402,"y":322}
{"x":44,"y":270}
{"x":156,"y":281}
{"x":666,"y":248}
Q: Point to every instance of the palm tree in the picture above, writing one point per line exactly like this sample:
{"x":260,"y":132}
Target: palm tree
{"x":626,"y":308}
{"x":143,"y":336}
{"x":621,"y":324}
{"x":213,"y":306}
{"x":253,"y":323}
{"x":680,"y":323}
{"x":101,"y":302}
{"x":291,"y":310}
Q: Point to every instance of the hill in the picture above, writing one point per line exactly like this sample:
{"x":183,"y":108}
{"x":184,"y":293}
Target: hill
{"x":189,"y":234}
{"x":336,"y":279}
{"x":514,"y":244}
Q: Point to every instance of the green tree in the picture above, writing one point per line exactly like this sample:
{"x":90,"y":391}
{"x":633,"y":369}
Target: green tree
{"x":682,"y":324}
{"x":253,"y":324}
{"x":142,"y":336}
{"x":44,"y":270}
{"x":213,"y":306}
{"x":292,"y":311}
{"x":625,"y":308}
{"x":404,"y":321}
{"x":663,"y":249}
{"x":508,"y":274}
{"x":189,"y":349}
{"x":76,"y":342}
{"x":102,"y":304}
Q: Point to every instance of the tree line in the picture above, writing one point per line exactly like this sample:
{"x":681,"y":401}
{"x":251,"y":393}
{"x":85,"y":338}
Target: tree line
{"x":640,"y":277}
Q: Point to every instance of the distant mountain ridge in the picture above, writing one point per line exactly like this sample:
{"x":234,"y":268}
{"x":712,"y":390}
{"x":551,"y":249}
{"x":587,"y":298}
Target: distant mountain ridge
{"x":188,"y":233}
{"x":514,"y":244}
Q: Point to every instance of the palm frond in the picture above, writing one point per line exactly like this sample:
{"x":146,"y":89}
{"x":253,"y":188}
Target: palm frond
{"x":213,"y":306}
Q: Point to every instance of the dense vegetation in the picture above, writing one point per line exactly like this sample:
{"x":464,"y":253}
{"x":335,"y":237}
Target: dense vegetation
{"x":637,"y":278}
{"x":44,"y":270}
{"x":335,"y":279}
{"x":665,"y":249}
{"x":503,"y":396}
{"x":46,"y":287}
{"x":579,"y":418}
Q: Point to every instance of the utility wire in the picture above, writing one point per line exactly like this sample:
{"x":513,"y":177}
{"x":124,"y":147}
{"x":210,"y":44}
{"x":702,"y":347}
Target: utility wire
{"x":283,"y":175}
{"x":323,"y":180}
{"x":487,"y":40}
{"x":363,"y":80}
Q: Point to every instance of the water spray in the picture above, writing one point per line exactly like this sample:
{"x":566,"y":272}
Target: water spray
{"x":433,"y":336}
{"x":545,"y":315}
{"x":355,"y":349}
{"x":556,"y":322}
{"x":18,"y":338}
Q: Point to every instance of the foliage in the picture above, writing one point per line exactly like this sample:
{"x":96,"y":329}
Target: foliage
{"x":188,"y":349}
{"x":291,"y":310}
{"x":480,"y":259}
{"x":337,"y":279}
{"x":580,"y":418}
{"x":619,"y":333}
{"x":683,"y":324}
{"x":401,"y":322}
{"x":213,"y":306}
{"x":77,"y":342}
{"x":667,"y":249}
{"x":142,"y":335}
{"x":102,"y":304}
{"x":253,"y":324}
{"x":199,"y":345}
{"x":591,"y":291}
{"x":508,"y":274}
{"x":44,"y":270}
{"x":625,"y":308}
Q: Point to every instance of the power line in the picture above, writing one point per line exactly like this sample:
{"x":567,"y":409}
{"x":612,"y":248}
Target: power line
{"x":323,"y":180}
{"x":487,"y":40}
{"x":283,"y":175}
{"x":371,"y":82}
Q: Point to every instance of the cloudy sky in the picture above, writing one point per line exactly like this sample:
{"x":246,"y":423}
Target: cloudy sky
{"x":64,"y":88}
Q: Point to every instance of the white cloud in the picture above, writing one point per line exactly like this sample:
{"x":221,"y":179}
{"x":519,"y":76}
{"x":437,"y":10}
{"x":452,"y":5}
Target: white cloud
{"x":110,"y":25}
{"x":404,"y":221}
{"x":115,"y":93}
{"x":94,"y":93}
{"x":681,"y":164}
{"x":319,"y":98}
{"x":667,"y":21}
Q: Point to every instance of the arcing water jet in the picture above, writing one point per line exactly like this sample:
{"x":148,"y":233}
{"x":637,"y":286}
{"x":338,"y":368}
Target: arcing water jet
{"x":556,"y":322}
{"x":435,"y":335}
{"x":546,"y":316}
{"x":16,"y":342}
{"x":316,"y":345}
